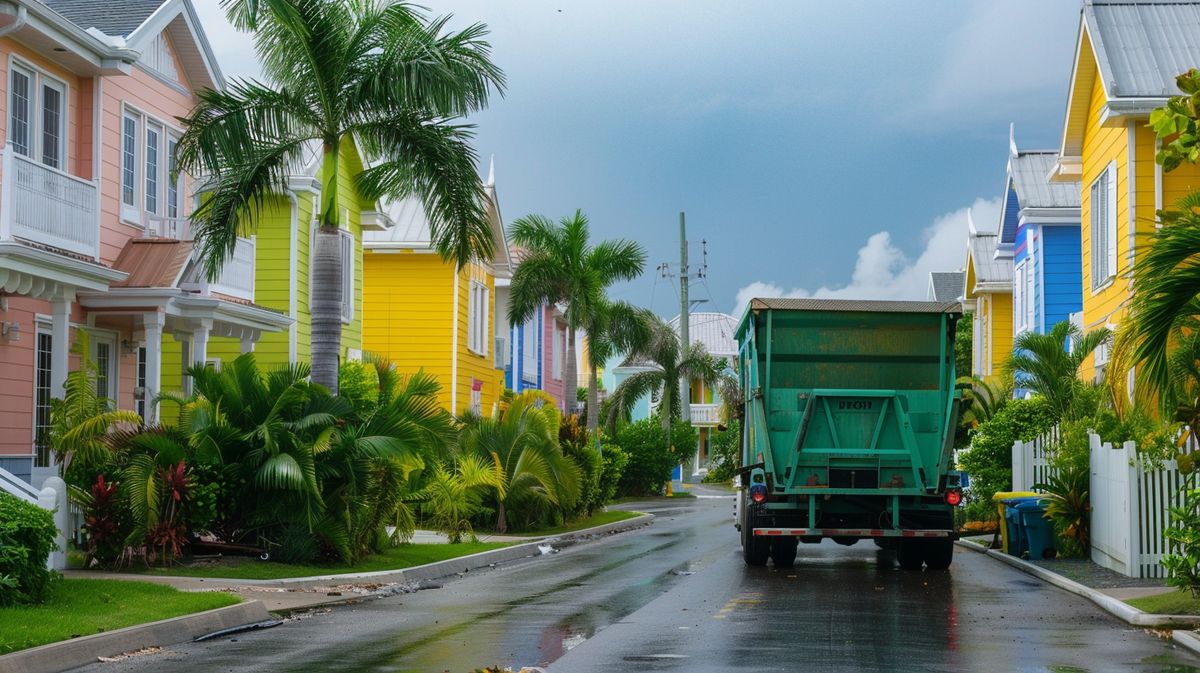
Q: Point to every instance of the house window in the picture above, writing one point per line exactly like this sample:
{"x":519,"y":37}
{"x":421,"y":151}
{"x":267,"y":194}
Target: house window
{"x":529,"y":351}
{"x":153,"y":138}
{"x":148,"y":176}
{"x":106,"y":365}
{"x":41,"y":399}
{"x":1104,"y":227}
{"x":477,"y":318}
{"x":37,"y":134}
{"x":347,"y":249}
{"x":141,"y":382}
{"x":557,"y":353}
{"x":1020,"y":298}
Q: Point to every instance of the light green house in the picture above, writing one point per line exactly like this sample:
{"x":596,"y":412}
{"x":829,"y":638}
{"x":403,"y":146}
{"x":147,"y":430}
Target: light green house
{"x":281,"y":276}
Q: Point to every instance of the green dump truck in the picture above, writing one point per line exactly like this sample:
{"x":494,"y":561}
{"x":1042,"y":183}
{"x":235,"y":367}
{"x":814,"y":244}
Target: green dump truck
{"x":849,"y":428}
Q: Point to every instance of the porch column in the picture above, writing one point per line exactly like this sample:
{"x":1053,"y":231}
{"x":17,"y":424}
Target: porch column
{"x":200,"y":342}
{"x":153,"y":326}
{"x":60,"y":340}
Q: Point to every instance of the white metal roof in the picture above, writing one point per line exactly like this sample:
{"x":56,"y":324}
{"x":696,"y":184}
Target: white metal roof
{"x":1030,"y":170}
{"x":946,"y":285}
{"x":714,"y":330}
{"x":988,"y":269}
{"x":1141,"y":45}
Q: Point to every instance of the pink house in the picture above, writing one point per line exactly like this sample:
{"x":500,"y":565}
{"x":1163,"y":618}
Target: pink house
{"x":93,"y":223}
{"x":554,"y":356}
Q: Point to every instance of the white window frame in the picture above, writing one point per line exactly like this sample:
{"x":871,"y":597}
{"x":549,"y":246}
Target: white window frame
{"x":1020,"y":297}
{"x":135,"y":213}
{"x":477,"y":318}
{"x":42,"y":330}
{"x":108,"y":339}
{"x":39,"y":78}
{"x":153,"y":174}
{"x":140,"y":380}
{"x":1103,"y":244}
{"x":558,"y":353}
{"x":346,"y":246}
{"x":529,"y":351}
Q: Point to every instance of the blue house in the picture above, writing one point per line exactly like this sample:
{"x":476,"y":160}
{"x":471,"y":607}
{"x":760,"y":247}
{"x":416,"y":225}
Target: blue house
{"x":1039,"y":227}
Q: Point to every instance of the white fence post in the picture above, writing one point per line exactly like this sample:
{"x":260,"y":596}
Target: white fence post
{"x":1018,"y":466}
{"x":53,"y":497}
{"x":1133,"y":510}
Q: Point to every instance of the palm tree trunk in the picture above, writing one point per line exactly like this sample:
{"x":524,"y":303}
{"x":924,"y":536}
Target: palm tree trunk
{"x":325,"y":295}
{"x":501,"y":519}
{"x":571,"y":374}
{"x":326,"y":307}
{"x":593,"y":402}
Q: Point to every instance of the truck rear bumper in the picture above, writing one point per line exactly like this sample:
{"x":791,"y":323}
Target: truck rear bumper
{"x":853,"y":532}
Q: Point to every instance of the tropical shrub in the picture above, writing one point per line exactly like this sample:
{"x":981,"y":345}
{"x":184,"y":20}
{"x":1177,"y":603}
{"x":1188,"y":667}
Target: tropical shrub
{"x":105,"y":523}
{"x":613,"y":460}
{"x":455,"y":494}
{"x":575,"y":444}
{"x":1069,"y":509}
{"x":726,"y":454}
{"x":537,"y":483}
{"x":989,"y":459}
{"x":27,"y":535}
{"x":650,"y":458}
{"x":1183,"y":563}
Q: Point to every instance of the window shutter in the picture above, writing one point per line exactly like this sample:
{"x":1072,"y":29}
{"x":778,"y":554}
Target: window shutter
{"x":1110,"y":223}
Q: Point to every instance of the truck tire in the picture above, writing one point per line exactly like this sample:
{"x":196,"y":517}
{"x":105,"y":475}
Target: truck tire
{"x":755,"y":550}
{"x":783,"y":551}
{"x":910,"y":554}
{"x":939,"y":554}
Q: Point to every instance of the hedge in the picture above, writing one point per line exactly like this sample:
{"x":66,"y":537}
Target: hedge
{"x":27,"y":535}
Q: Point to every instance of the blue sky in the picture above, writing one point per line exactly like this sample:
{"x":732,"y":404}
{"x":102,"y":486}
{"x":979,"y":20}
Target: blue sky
{"x":828,"y":148}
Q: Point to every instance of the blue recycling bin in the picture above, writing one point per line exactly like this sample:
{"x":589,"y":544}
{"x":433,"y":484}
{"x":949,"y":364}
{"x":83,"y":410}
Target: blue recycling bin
{"x":1018,"y":543}
{"x":1038,"y":534}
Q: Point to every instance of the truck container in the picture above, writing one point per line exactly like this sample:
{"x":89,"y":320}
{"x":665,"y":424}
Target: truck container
{"x":850,"y":411}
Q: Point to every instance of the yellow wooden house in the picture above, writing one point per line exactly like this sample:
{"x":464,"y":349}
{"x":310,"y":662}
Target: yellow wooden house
{"x":1125,"y":66}
{"x":422,"y":313}
{"x":989,"y":299}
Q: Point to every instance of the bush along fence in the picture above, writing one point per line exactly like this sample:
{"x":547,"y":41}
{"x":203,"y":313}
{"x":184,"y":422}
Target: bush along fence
{"x":1130,"y":495}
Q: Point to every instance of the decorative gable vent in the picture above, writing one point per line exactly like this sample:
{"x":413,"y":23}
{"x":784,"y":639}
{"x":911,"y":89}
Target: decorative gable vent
{"x":158,"y":57}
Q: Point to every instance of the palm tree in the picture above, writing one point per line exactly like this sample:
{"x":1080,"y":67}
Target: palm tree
{"x":1167,"y":277}
{"x":377,"y":73}
{"x":454,"y":495}
{"x":613,"y":327}
{"x":1041,"y":363}
{"x":561,"y":267}
{"x":669,"y":365}
{"x":521,"y":445}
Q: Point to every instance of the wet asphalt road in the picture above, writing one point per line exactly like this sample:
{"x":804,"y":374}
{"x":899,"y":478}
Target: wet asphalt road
{"x":676,"y":597}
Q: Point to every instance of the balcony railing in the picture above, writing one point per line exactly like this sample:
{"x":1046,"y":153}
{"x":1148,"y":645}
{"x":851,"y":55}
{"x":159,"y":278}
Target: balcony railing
{"x":237,"y":274}
{"x":705,"y":414}
{"x":46,"y":206}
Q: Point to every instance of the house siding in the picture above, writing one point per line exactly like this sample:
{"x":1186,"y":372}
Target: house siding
{"x":472,"y":366}
{"x":1062,"y":277}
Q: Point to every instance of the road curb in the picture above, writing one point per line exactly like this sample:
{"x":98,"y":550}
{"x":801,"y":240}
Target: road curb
{"x":1118,"y":608}
{"x":1188,"y":640}
{"x":68,"y":654}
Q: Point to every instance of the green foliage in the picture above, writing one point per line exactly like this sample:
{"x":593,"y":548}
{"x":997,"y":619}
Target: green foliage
{"x":613,"y":460}
{"x":1041,"y":363}
{"x":650,"y":458}
{"x":27,"y":535}
{"x":1069,"y":509}
{"x":1183,"y":563}
{"x":455,"y":495}
{"x":963,"y":334}
{"x":536,"y":482}
{"x":358,"y":383}
{"x":980,"y":401}
{"x":726,"y":455}
{"x":573,"y":439}
{"x":1176,"y":124}
{"x":989,"y":459}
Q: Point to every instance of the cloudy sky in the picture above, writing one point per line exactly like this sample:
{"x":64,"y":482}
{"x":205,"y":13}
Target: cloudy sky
{"x":827,"y":148}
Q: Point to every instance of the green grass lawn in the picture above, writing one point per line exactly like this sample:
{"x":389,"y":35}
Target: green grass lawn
{"x":396,"y":558}
{"x":653,"y":498}
{"x":597,"y":519}
{"x":1173,"y":603}
{"x":82,"y":607}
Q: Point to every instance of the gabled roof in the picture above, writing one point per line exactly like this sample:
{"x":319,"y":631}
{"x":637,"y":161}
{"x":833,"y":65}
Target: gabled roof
{"x":133,"y":24}
{"x":946,"y":286}
{"x":986,"y":272}
{"x":1030,"y":170}
{"x":1136,"y":48}
{"x":412,"y":229}
{"x":117,"y":18}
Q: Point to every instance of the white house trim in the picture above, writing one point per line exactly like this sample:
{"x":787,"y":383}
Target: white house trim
{"x":454,"y":347}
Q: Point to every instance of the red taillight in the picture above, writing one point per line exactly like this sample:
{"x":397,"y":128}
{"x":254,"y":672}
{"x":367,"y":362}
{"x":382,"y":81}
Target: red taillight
{"x":953,"y":497}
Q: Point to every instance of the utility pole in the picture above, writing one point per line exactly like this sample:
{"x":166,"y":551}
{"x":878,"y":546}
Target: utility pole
{"x":684,"y":306}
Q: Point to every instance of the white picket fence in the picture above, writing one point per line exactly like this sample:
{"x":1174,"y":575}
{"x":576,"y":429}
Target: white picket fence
{"x":1130,"y":499}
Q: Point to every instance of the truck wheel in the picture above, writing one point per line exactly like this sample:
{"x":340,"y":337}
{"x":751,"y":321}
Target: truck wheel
{"x":755,"y":550}
{"x":783,"y":551}
{"x":939,"y":554}
{"x":909,"y":554}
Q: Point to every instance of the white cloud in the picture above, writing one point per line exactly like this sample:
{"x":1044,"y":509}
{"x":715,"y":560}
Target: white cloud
{"x":883,"y":271}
